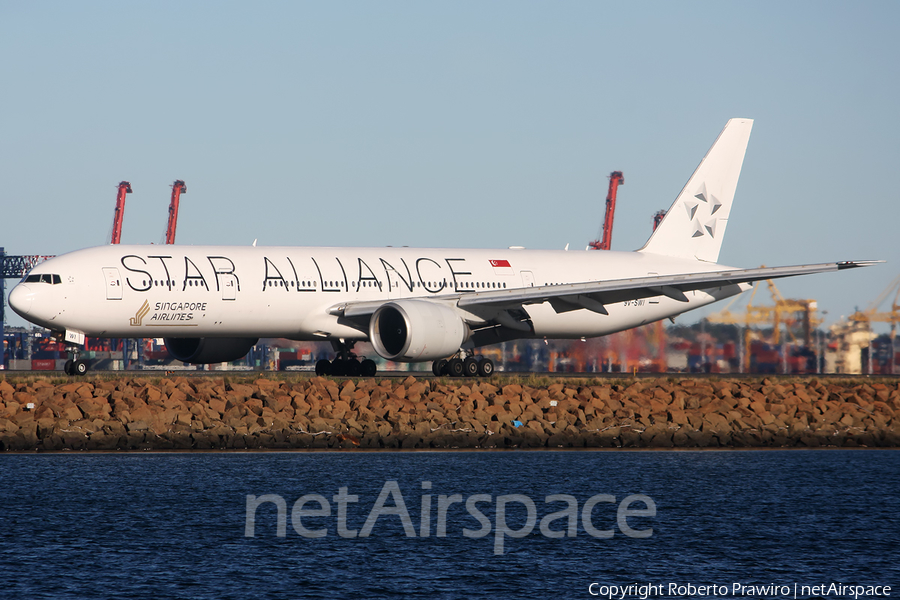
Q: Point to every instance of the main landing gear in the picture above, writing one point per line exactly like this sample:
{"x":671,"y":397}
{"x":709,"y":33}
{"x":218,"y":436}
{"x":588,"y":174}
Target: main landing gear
{"x":346,"y":363}
{"x":471,"y":366}
{"x":75,"y":366}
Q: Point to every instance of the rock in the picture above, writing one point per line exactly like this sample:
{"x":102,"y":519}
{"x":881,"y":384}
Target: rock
{"x":340,"y":409}
{"x":136,"y":413}
{"x":630,"y":438}
{"x":512,"y":390}
{"x":92,"y":409}
{"x":74,"y":441}
{"x":102,"y":441}
{"x":240,"y":390}
{"x":52,"y":443}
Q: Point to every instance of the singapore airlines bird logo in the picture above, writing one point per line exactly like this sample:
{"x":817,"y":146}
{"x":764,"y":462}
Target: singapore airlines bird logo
{"x":140,"y":314}
{"x":710,"y":206}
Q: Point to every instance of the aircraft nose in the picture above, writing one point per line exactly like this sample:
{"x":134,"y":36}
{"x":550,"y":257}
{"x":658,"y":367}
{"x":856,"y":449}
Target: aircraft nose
{"x":21,"y":298}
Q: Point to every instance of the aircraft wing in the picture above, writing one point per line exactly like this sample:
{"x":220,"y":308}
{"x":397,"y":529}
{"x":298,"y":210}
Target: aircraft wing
{"x":593,"y":295}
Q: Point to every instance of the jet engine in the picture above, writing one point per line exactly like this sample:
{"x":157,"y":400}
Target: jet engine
{"x":209,"y":350}
{"x":416,"y":330}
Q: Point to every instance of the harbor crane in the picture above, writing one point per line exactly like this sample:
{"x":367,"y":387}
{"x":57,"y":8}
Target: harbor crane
{"x":615,"y":180}
{"x":119,"y":215}
{"x":13,"y":267}
{"x":178,"y":188}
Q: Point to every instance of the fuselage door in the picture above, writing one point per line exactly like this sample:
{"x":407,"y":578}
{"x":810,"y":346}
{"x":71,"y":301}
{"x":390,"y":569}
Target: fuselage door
{"x":527,"y":278}
{"x":655,"y":299}
{"x":113,"y":283}
{"x":229,"y":288}
{"x":393,"y":284}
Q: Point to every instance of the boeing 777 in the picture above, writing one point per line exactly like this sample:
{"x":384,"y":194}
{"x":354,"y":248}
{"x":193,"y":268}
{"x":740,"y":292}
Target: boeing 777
{"x":213,"y":303}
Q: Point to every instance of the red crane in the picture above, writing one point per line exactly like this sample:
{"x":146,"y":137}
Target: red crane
{"x":615,"y":180}
{"x":657,"y":218}
{"x":178,"y":188}
{"x":124,"y":188}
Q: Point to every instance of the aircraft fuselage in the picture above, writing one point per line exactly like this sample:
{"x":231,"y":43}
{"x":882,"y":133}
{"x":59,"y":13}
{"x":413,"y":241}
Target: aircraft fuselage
{"x":228,"y":291}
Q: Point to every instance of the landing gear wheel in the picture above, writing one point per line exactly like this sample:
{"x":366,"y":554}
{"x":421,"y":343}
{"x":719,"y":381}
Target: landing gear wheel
{"x":323,"y":367}
{"x":352,"y":367}
{"x":486,"y":367}
{"x":338,"y":368}
{"x":470,"y":367}
{"x":79,"y":367}
{"x":455,"y":368}
{"x":344,"y":364}
{"x":439,"y":367}
{"x":367,"y":368}
{"x":68,"y":367}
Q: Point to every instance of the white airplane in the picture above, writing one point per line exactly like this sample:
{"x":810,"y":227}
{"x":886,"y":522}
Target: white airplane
{"x":213,"y":303}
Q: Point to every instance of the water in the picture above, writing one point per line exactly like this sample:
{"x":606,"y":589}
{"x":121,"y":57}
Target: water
{"x":175,"y":525}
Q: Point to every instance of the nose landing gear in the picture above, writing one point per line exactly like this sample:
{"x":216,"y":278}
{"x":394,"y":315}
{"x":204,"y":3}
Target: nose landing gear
{"x":346,"y":363}
{"x":75,"y":366}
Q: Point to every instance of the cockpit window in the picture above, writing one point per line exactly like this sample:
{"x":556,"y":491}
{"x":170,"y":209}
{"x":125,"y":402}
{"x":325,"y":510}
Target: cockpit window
{"x":45,"y":278}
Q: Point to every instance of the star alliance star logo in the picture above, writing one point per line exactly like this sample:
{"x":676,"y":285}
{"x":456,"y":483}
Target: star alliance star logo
{"x":709,"y":203}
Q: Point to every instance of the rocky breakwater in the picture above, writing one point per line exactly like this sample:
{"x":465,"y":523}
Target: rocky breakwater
{"x":286,"y":413}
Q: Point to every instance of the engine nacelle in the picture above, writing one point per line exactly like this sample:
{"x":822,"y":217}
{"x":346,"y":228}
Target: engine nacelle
{"x":200,"y":351}
{"x":415,"y":330}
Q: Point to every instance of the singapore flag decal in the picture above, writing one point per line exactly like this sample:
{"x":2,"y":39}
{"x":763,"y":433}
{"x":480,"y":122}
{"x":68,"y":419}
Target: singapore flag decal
{"x":502,"y":267}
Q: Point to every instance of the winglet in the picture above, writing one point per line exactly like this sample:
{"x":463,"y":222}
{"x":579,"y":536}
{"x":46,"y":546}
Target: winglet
{"x":695,"y":223}
{"x":853,"y":264}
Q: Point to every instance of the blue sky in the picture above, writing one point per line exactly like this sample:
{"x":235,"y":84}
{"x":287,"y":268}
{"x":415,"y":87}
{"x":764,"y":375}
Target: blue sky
{"x":474,"y":124}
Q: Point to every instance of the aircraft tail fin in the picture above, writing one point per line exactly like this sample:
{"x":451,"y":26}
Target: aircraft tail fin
{"x":695,"y":223}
